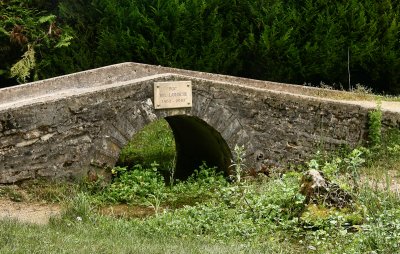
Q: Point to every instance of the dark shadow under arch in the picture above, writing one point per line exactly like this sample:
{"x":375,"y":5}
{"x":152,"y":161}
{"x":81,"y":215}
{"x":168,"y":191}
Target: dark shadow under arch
{"x":196,"y":141}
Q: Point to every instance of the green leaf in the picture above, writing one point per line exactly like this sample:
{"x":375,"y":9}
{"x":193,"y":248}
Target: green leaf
{"x":2,"y":30}
{"x":65,"y":41}
{"x":21,"y":69}
{"x":50,"y":18}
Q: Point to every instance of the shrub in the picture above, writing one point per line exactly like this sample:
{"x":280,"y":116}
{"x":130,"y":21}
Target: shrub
{"x":134,"y":185}
{"x":342,"y":43}
{"x":375,"y":127}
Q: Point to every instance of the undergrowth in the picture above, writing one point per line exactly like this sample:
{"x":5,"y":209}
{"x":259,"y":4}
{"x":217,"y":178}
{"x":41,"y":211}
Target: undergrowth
{"x":252,"y":212}
{"x":209,"y":213}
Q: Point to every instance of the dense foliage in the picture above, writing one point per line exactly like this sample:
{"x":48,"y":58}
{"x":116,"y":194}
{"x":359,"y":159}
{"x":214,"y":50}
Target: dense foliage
{"x":307,"y":41}
{"x":28,"y":37}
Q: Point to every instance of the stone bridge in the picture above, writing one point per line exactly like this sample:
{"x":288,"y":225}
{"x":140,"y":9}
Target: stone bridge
{"x":64,"y":126}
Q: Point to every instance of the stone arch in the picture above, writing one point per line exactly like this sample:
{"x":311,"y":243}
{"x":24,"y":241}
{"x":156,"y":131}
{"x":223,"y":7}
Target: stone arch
{"x":201,"y":134}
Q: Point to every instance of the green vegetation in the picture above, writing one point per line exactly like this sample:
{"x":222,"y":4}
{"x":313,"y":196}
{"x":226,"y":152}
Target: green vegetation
{"x":28,"y":37}
{"x":264,"y":215}
{"x":375,"y":126}
{"x":153,"y":144}
{"x":211,"y":214}
{"x":344,"y":43}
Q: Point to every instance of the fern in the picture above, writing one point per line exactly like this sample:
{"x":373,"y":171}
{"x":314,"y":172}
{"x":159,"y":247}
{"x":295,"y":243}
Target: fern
{"x":49,"y":18}
{"x":65,"y":41}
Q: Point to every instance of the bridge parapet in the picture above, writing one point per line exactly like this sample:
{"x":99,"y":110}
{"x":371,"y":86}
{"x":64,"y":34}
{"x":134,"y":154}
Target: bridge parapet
{"x":65,"y":126}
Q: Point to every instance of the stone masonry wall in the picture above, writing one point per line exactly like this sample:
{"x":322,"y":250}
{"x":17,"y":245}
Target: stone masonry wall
{"x":66,"y":135}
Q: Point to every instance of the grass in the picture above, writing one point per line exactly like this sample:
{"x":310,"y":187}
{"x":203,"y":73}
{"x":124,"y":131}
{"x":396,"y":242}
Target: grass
{"x":383,"y":168}
{"x":359,"y":93}
{"x":139,"y":213}
{"x":39,"y":191}
{"x":154,"y":143}
{"x":221,"y":225}
{"x":109,"y":235}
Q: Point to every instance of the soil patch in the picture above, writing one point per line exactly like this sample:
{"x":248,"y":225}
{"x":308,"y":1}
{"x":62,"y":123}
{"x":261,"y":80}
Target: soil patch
{"x":37,"y":213}
{"x":126,"y":211}
{"x":389,"y":183}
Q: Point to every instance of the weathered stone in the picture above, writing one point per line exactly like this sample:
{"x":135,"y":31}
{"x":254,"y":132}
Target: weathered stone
{"x":27,"y":143}
{"x":47,"y":136}
{"x":32,"y":134}
{"x":64,"y":126}
{"x":319,"y":190}
{"x":313,"y":183}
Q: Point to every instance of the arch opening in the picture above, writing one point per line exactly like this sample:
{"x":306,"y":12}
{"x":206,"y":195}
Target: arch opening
{"x":179,"y":144}
{"x":197,"y":142}
{"x":154,"y":143}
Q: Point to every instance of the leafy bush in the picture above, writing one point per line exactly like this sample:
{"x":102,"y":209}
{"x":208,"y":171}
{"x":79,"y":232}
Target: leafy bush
{"x":203,"y":185}
{"x":375,"y":126}
{"x":134,"y":185}
{"x":245,"y":211}
{"x":146,"y":186}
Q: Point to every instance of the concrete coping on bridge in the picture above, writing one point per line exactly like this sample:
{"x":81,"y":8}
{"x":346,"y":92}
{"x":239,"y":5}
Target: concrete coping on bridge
{"x":64,"y":126}
{"x":128,"y":73}
{"x":38,"y":94}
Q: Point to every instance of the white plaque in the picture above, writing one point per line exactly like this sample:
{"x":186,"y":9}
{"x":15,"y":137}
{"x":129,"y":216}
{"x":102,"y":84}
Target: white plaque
{"x":173,"y":94}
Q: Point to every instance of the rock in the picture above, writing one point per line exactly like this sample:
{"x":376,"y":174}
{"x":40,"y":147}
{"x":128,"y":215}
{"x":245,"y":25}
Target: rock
{"x":319,"y":190}
{"x":92,"y":176}
{"x":313,"y":183}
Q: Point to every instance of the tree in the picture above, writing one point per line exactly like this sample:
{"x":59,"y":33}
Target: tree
{"x":26,"y":37}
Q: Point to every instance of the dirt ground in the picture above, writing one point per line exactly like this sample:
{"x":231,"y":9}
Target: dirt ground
{"x":390,"y":182}
{"x":38,"y":213}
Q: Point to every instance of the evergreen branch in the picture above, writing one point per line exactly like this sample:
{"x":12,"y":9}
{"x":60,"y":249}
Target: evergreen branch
{"x":22,"y":69}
